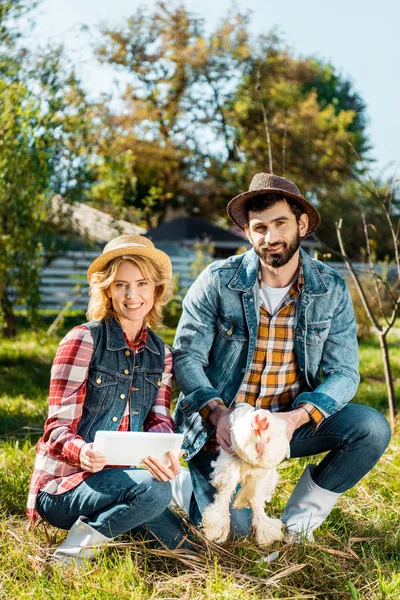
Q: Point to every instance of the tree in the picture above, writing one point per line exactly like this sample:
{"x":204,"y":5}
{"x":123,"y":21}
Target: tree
{"x":173,"y":118}
{"x":193,"y":114}
{"x":313,"y":114}
{"x":44,"y":150}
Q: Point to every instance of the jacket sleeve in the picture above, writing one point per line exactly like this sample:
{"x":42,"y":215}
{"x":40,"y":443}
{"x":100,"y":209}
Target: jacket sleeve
{"x":340,"y":361}
{"x":194,"y":339}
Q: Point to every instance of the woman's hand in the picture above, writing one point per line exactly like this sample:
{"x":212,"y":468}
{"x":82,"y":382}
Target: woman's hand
{"x":91,"y":461}
{"x":164,"y":471}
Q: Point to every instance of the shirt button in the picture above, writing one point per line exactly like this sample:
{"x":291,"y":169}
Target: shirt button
{"x":98,"y":380}
{"x":127,"y":353}
{"x":229,"y":332}
{"x":159,"y":382}
{"x":126,"y":372}
{"x":115,"y":419}
{"x":122,"y":396}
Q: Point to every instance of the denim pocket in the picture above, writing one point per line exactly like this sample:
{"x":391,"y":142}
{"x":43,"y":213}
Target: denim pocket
{"x":101,"y":388}
{"x":231,"y":330}
{"x":152,"y":383}
{"x":317,"y":333}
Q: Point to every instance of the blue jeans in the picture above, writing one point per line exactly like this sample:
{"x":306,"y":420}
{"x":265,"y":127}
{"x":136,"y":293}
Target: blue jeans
{"x":355,"y":438}
{"x":114,"y":503}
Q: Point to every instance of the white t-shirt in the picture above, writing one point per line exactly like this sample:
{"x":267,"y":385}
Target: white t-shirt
{"x":272,"y":297}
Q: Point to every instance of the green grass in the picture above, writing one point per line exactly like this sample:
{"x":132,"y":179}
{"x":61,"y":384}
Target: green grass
{"x":356,"y":554}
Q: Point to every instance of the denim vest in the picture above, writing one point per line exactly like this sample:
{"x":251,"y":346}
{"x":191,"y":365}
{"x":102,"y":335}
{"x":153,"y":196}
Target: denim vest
{"x":217,"y":334}
{"x":114,"y":371}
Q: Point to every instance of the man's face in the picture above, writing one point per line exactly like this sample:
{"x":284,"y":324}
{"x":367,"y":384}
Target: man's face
{"x":275,"y":233}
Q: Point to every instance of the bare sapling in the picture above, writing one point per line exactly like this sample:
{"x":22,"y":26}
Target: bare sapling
{"x":384,"y":312}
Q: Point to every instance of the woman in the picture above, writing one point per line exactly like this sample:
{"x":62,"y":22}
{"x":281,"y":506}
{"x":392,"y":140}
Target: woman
{"x":112,"y":373}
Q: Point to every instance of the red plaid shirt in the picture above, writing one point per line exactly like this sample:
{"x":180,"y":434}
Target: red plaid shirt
{"x":57,"y":468}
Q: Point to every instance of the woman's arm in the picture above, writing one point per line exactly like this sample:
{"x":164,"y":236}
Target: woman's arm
{"x":67,"y":395}
{"x":159,"y":418}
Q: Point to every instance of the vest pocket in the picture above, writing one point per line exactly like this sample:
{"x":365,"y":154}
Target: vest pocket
{"x":100,"y":390}
{"x":152,"y":383}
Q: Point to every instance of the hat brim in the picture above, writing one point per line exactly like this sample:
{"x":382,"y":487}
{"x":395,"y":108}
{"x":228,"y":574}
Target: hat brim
{"x":160,"y":258}
{"x":236,"y":208}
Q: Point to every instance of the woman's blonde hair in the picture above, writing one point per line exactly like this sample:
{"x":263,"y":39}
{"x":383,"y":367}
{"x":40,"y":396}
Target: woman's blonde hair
{"x":100,"y":305}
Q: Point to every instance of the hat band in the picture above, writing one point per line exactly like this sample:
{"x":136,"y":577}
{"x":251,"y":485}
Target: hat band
{"x":128,"y":245}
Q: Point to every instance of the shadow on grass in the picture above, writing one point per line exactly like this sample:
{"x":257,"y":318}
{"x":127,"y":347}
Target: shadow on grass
{"x":23,"y":399}
{"x":23,"y":376}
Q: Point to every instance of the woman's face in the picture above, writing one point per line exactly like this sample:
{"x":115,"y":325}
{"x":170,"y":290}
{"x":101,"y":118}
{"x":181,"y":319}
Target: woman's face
{"x":132,"y":295}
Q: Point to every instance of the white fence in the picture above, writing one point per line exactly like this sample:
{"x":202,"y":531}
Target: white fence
{"x":65,"y":279}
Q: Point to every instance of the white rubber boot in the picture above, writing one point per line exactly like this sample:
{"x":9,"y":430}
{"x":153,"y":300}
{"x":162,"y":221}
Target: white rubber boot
{"x":182,"y":490}
{"x":81,"y":542}
{"x":308,"y":507}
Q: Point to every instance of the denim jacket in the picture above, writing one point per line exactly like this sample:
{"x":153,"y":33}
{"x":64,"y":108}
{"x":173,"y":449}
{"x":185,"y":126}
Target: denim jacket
{"x":217,"y":333}
{"x":113,"y":369}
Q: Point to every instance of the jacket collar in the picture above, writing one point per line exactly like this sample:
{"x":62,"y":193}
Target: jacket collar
{"x":246,"y":274}
{"x":313,"y":282}
{"x":115,"y":338}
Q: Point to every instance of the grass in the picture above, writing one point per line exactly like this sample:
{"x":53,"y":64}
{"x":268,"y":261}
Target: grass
{"x":356,"y":554}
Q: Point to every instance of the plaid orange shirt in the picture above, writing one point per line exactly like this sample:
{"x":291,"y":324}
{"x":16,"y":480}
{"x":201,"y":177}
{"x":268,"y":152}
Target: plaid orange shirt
{"x":274,"y":379}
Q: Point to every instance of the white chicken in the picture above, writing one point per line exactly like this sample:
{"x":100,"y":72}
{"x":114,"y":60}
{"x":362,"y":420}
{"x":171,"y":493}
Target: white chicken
{"x":259,"y":443}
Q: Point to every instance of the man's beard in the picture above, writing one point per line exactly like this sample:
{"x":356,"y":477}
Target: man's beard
{"x":285,"y":254}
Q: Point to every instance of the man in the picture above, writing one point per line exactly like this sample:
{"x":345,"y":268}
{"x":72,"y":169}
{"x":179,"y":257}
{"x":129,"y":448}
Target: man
{"x":276,"y":329}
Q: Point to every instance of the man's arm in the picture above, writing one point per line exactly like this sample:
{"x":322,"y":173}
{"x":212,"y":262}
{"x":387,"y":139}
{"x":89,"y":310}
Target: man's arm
{"x":294,"y":419}
{"x":193,"y":342}
{"x":339,"y":363}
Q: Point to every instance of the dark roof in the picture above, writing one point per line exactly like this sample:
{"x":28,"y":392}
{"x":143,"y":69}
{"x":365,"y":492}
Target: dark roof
{"x":191,"y":229}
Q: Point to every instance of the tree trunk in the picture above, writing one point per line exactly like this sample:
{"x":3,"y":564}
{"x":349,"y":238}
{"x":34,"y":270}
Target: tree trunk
{"x":7,"y":310}
{"x":388,"y":378}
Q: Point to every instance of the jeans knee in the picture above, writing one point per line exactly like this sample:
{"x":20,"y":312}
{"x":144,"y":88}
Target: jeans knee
{"x":158,"y":494}
{"x":375,"y":428}
{"x":383,"y":431}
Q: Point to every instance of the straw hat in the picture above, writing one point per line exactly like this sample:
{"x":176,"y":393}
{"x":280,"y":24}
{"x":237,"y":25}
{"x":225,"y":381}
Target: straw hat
{"x":266,"y":183}
{"x":131,"y":245}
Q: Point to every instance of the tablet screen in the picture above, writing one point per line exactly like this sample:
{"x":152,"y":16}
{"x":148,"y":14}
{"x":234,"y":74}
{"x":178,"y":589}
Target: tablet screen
{"x":130,"y":448}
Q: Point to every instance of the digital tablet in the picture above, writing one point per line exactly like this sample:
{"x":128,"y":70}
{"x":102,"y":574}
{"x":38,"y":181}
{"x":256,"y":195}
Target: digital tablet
{"x":132,"y":447}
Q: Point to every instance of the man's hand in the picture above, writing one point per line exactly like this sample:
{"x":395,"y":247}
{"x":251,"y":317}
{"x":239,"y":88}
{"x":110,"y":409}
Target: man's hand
{"x":294,"y":419}
{"x":164,"y":471}
{"x":91,"y":461}
{"x":220,"y":418}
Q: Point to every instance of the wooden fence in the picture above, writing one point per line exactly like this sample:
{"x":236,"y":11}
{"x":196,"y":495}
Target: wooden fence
{"x":65,"y":279}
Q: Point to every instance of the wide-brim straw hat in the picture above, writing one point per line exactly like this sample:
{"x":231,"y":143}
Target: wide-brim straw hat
{"x":132,"y":245}
{"x":266,"y":183}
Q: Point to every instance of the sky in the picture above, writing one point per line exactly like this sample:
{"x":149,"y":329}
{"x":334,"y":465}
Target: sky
{"x":359,"y":37}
